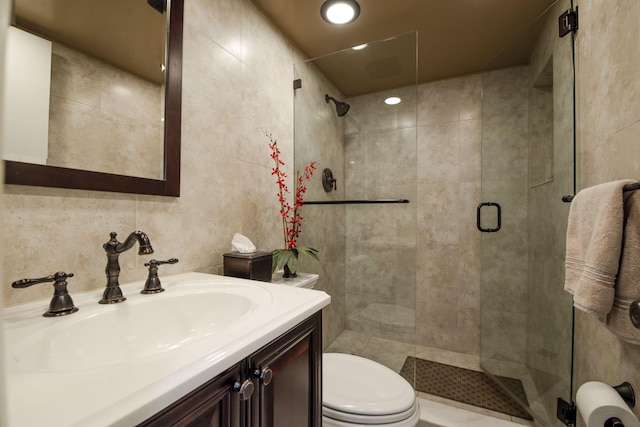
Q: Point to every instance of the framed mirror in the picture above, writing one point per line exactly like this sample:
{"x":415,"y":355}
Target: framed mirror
{"x":168,"y":181}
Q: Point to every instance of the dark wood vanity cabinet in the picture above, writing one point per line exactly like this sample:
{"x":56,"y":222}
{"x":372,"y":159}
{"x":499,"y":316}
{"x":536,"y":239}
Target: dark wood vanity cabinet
{"x":215,"y":404}
{"x":285,"y":377}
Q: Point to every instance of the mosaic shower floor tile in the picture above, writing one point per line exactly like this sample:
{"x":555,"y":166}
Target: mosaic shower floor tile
{"x":465,"y":385}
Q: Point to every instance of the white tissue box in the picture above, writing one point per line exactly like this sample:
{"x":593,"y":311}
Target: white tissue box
{"x":253,"y":266}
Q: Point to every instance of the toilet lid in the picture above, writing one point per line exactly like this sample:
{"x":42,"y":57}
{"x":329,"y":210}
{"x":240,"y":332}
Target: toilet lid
{"x":355,"y":385}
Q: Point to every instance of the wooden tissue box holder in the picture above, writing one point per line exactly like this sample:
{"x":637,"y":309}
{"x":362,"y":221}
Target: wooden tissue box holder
{"x":253,"y":266}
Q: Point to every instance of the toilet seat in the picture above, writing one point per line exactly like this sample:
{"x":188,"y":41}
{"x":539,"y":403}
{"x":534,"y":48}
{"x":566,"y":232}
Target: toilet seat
{"x":402,"y":419}
{"x":359,"y":391}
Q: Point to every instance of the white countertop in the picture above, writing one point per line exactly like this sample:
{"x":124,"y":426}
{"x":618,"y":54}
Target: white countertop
{"x":302,"y":280}
{"x":132,"y":389}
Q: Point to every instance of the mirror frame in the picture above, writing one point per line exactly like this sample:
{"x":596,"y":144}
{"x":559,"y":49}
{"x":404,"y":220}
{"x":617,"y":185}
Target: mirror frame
{"x":53,"y":176}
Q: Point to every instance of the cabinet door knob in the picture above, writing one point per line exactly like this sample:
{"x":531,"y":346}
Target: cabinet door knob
{"x":266,"y":375}
{"x":245,"y":390}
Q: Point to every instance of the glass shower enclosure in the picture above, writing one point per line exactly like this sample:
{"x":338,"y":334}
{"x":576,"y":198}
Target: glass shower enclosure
{"x":527,"y":166}
{"x":362,"y":219}
{"x":406,"y":189}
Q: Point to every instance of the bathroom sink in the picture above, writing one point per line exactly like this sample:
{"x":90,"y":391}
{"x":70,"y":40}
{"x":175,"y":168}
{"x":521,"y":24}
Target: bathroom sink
{"x":144,"y":326}
{"x":142,"y":354}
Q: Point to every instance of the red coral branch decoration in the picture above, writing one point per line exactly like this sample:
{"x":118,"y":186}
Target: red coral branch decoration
{"x":291,"y":218}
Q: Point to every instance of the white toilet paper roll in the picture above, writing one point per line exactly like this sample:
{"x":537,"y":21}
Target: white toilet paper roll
{"x":599,"y":402}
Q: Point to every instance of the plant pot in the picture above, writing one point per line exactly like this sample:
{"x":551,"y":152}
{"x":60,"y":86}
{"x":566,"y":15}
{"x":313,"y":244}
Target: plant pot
{"x":287,"y":273}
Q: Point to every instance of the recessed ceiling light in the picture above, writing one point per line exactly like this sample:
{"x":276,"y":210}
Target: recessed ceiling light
{"x":340,"y":11}
{"x":393,"y":100}
{"x":359,"y":47}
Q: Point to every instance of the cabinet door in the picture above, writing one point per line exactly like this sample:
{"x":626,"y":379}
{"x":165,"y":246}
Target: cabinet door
{"x":215,"y":404}
{"x":287,"y":376}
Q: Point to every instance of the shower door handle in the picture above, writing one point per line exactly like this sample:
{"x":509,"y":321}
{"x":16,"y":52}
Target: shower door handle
{"x":479,"y":217}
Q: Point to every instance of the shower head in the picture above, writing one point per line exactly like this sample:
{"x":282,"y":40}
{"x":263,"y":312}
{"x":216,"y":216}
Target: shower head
{"x":342,"y":108}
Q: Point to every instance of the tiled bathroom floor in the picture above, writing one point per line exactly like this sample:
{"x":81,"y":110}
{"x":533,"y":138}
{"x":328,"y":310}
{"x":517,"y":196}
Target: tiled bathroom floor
{"x":436,"y":411}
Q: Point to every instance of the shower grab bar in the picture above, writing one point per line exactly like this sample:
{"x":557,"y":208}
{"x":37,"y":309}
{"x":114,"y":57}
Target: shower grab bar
{"x":353,"y":202}
{"x":627,"y":187}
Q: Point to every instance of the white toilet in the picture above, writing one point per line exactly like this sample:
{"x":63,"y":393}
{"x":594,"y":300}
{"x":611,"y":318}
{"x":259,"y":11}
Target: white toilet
{"x":358,"y":391}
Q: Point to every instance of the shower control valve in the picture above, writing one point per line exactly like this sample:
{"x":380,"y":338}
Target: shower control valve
{"x":329,"y":183}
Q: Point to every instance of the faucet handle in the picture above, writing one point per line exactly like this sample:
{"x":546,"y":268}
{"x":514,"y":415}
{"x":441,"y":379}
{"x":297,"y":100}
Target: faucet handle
{"x":25,"y":283}
{"x":61,"y":303}
{"x":157,"y":263}
{"x":152,"y":285}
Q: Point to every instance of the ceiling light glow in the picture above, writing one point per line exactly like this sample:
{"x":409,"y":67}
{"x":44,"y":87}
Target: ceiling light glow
{"x":393,"y":100}
{"x":340,"y":11}
{"x":359,"y":47}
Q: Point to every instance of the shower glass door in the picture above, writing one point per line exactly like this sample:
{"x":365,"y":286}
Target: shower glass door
{"x":527,"y":165}
{"x":364,"y":222}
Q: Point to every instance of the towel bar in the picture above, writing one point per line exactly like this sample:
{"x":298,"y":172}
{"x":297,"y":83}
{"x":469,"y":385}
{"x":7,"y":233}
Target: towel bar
{"x":634,"y":309}
{"x":634,"y":313}
{"x":628,"y":187}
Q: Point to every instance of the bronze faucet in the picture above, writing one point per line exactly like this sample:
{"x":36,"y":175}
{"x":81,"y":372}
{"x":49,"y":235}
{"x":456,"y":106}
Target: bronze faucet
{"x":113,"y":294}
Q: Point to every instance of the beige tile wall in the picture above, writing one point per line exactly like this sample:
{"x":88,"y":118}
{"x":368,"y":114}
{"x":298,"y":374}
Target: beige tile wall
{"x":448,"y":244}
{"x":505,"y":138}
{"x":380,"y":153}
{"x":608,"y":138}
